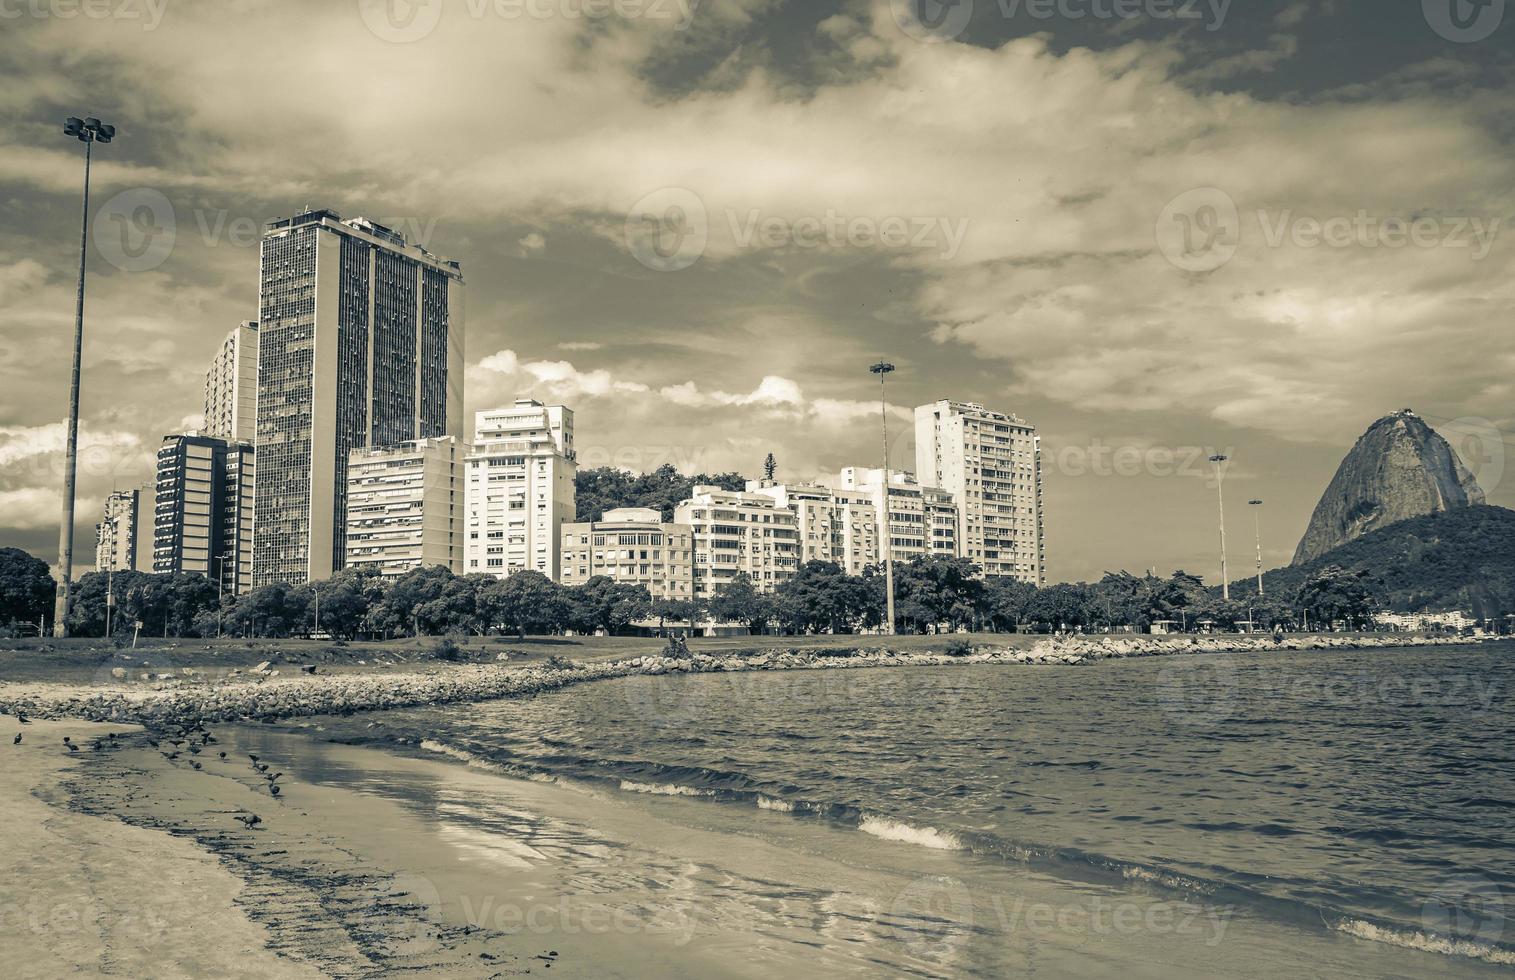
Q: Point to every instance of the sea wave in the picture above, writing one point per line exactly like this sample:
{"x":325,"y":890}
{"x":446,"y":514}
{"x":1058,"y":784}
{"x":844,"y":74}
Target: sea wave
{"x":937,"y":840}
{"x":1427,"y":942}
{"x":664,"y":789}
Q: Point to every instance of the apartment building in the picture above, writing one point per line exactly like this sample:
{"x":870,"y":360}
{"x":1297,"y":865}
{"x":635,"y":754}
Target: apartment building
{"x":405,"y":506}
{"x":632,"y":545}
{"x":231,"y":387}
{"x":921,"y":520}
{"x":520,"y":489}
{"x":202,"y":506}
{"x":738,"y":532}
{"x":832,"y":524}
{"x":991,"y":464}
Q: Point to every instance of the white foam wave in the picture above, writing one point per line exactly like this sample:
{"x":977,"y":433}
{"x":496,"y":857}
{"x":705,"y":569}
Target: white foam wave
{"x":938,"y":840}
{"x":1427,"y":942}
{"x":769,"y":803}
{"x":664,"y":789}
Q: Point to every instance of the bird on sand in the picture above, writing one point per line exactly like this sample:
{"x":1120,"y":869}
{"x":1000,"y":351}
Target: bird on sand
{"x":273,"y":789}
{"x":21,"y":717}
{"x":195,"y":764}
{"x":17,"y":739}
{"x":252,"y":757}
{"x":221,"y":754}
{"x":72,"y":747}
{"x":250,"y":820}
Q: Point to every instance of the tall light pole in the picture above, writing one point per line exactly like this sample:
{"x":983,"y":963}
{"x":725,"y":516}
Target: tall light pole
{"x":883,"y":369}
{"x":110,"y":576}
{"x":1220,"y":476}
{"x":89,"y":132}
{"x":1256,"y":506}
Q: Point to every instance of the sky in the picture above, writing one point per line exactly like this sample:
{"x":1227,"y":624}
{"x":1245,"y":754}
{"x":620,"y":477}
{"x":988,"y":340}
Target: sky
{"x":1156,"y":229}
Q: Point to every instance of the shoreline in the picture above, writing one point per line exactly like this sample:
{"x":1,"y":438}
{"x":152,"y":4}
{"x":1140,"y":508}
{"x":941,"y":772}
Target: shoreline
{"x":188,"y":698}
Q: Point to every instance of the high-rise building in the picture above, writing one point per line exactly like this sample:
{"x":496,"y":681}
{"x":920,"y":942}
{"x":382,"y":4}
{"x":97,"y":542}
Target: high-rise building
{"x":991,"y":464}
{"x":231,"y":387}
{"x":202,"y":508}
{"x":124,"y":536}
{"x":833,"y":525}
{"x":520,"y":489}
{"x":360,"y":343}
{"x":633,"y":546}
{"x":922,"y":521}
{"x":405,"y":506}
{"x":737,"y":532}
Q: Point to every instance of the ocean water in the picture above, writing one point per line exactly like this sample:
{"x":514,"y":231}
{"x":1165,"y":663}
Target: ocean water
{"x":1355,"y":809}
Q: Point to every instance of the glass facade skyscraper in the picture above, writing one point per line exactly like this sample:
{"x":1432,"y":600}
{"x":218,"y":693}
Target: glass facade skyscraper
{"x":360,"y":343}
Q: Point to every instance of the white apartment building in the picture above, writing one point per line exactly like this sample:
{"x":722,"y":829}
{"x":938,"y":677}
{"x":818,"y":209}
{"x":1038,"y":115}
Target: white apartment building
{"x":231,"y":387}
{"x":124,"y":536}
{"x":405,"y":506}
{"x":520,"y":489}
{"x":634,"y":546}
{"x":833,"y":524}
{"x":991,"y":464}
{"x":922,"y":521}
{"x":736,"y":532}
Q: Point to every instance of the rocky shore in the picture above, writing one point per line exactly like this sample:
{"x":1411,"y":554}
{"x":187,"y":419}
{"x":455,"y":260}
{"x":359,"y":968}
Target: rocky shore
{"x":191,"y":698}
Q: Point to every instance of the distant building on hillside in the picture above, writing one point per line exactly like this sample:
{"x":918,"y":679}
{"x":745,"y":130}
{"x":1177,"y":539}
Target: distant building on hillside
{"x":405,"y":506}
{"x":634,"y":546}
{"x":520,"y":489}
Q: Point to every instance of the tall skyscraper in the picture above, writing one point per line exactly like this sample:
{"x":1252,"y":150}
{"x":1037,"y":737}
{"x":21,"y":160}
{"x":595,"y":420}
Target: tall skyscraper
{"x":124,"y":536}
{"x":231,"y":387}
{"x":202,"y":509}
{"x":360,"y":343}
{"x":405,"y":506}
{"x":520,"y":488}
{"x":991,"y":463}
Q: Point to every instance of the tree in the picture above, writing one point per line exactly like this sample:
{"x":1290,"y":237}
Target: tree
{"x":1006,"y":601}
{"x":602,"y":603}
{"x":666,"y":611}
{"x":1334,"y":595}
{"x":822,"y":597}
{"x":606,"y":488}
{"x":527,"y":602}
{"x":414,"y":592}
{"x":26,"y":588}
{"x":936,"y":590}
{"x":739,"y":601}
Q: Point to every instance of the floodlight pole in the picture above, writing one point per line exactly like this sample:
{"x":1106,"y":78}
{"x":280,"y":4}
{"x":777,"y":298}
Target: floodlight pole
{"x":886,"y":530}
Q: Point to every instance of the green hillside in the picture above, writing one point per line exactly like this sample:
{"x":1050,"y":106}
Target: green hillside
{"x":1458,"y":559}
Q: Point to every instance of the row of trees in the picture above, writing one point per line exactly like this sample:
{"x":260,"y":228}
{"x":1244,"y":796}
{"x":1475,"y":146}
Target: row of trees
{"x":930,"y":594}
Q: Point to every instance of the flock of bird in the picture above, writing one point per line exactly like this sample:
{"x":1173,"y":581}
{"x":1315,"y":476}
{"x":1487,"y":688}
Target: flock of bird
{"x":194,"y":739}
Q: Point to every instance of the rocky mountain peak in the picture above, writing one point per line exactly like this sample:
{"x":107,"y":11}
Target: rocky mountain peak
{"x":1400,"y":468}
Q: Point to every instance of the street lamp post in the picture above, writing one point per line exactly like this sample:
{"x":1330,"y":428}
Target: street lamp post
{"x":1220,"y":476}
{"x":883,"y":369}
{"x":1256,"y":506}
{"x":89,"y":132}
